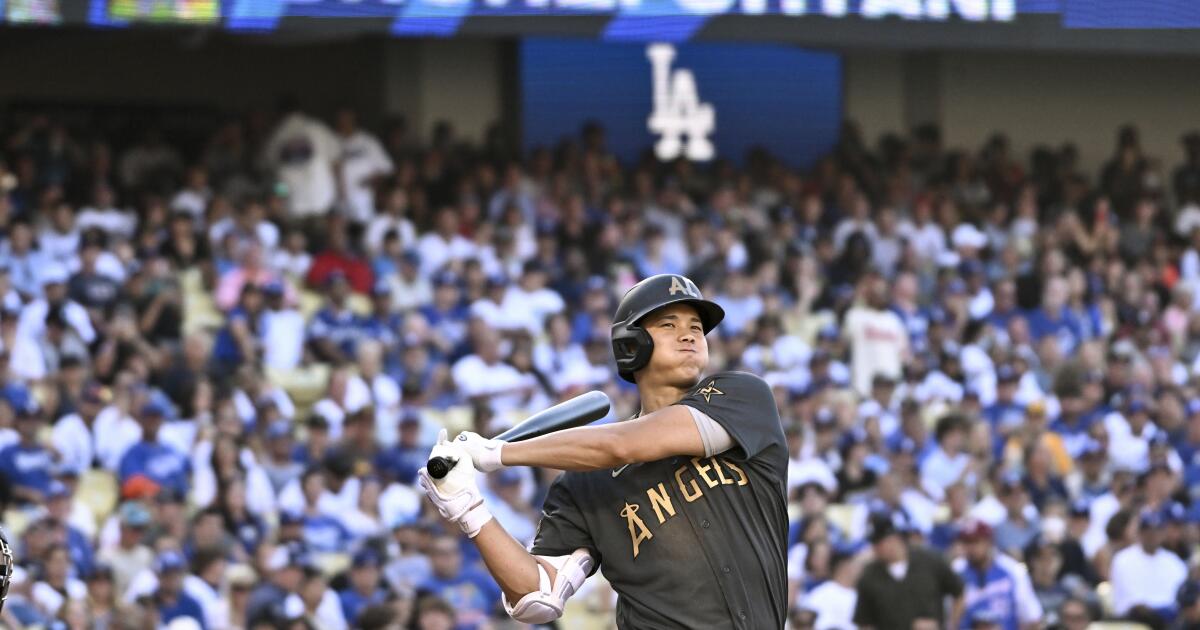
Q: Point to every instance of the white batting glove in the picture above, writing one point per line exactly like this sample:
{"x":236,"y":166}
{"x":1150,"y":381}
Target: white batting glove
{"x":485,"y":453}
{"x":456,"y":496}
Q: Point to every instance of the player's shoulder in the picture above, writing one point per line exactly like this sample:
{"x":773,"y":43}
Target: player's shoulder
{"x":734,"y":380}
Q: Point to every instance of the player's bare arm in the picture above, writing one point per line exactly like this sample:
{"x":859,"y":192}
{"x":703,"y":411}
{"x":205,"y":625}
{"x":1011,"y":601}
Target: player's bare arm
{"x":664,"y":433}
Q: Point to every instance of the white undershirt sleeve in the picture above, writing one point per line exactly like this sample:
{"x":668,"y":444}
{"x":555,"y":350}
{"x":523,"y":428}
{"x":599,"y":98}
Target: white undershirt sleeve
{"x":714,"y":436}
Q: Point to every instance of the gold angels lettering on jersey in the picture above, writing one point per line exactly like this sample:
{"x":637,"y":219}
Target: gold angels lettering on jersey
{"x":692,"y":479}
{"x":637,"y":529}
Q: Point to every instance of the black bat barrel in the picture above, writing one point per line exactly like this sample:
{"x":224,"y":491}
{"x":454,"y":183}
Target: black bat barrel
{"x":576,"y":412}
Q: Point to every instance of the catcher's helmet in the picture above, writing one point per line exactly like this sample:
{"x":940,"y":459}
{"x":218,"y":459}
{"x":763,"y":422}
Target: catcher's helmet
{"x":6,"y":567}
{"x":632,"y":345}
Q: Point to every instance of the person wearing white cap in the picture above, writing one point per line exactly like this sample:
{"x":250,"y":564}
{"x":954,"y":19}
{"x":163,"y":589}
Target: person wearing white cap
{"x":968,"y":240}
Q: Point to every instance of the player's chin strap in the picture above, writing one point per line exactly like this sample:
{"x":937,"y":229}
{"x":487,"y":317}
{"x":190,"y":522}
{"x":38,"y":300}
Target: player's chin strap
{"x":546,"y":604}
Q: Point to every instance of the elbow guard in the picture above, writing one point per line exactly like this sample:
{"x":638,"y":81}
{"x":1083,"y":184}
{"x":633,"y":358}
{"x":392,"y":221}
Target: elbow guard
{"x":546,"y":604}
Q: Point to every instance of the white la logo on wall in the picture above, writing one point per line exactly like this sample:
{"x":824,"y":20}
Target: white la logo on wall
{"x":678,"y":111}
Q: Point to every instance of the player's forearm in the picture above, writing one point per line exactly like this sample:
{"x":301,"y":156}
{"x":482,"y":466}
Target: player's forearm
{"x":514,"y":569}
{"x":664,"y":433}
{"x":580,"y":449}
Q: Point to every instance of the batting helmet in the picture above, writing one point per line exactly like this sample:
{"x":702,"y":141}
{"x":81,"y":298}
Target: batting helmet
{"x":6,"y":567}
{"x":632,"y":345}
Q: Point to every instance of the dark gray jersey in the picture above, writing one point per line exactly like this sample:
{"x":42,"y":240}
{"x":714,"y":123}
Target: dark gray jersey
{"x":689,"y":542}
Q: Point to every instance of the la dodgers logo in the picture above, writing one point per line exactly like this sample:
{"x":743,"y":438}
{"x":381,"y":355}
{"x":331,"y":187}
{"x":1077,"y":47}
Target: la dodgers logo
{"x":678,"y":111}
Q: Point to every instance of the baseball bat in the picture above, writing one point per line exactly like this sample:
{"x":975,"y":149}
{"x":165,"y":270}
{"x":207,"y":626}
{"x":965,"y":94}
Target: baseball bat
{"x":576,"y":412}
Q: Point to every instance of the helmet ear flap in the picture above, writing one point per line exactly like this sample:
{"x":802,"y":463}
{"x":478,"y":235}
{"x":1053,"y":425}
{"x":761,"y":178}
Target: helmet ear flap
{"x":632,"y":347}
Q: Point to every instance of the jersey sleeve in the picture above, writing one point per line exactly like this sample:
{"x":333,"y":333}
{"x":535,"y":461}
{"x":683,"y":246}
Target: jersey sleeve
{"x":744,"y":405}
{"x":562,"y":529}
{"x":948,"y":580}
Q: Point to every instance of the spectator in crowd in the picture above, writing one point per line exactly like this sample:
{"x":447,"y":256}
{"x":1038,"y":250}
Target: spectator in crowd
{"x":303,"y":153}
{"x":834,"y":600}
{"x":1146,"y":577}
{"x":365,"y":589}
{"x":27,"y":465}
{"x":149,"y":459}
{"x":471,"y":594}
{"x":904,"y":586}
{"x":878,"y":339}
{"x":994,"y":583}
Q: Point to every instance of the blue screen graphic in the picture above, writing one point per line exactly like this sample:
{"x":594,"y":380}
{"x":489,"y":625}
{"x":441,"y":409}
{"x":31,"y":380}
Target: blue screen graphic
{"x":787,"y":100}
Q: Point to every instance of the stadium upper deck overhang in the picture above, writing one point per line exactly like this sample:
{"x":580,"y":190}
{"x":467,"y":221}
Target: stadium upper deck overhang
{"x":1120,"y":26}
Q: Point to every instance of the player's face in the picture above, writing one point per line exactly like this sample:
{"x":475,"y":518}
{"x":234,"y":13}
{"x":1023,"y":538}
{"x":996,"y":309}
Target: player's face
{"x":680,"y":349}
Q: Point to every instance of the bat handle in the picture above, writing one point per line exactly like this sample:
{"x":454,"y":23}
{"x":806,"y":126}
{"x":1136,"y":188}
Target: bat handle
{"x":439,"y":467}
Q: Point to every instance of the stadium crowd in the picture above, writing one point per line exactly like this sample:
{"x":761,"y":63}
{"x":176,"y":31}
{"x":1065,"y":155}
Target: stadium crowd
{"x":224,"y":366}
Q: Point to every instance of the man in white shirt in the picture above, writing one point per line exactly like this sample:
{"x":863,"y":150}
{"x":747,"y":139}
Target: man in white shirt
{"x":833,"y":601}
{"x":58,"y":238}
{"x":72,"y":434}
{"x":391,"y":216}
{"x":282,"y":330}
{"x":444,"y":244}
{"x":947,"y":464}
{"x":303,"y":153}
{"x":877,"y":336}
{"x":1146,"y":576}
{"x":530,"y":301}
{"x":363,"y":161}
{"x":104,"y":214}
{"x":410,"y":288}
{"x":485,"y":375}
{"x":803,"y":467}
{"x":557,"y":356}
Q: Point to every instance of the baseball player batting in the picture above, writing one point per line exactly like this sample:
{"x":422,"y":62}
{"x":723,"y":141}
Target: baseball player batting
{"x":682,"y":507}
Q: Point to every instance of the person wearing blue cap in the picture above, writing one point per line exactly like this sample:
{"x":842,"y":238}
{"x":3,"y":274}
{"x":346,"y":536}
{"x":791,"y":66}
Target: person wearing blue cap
{"x":383,"y":324}
{"x":282,"y":327}
{"x":1145,"y":576}
{"x":153,"y":460}
{"x":58,"y":509}
{"x":401,"y":461}
{"x":170,"y":598}
{"x":448,"y":314}
{"x":1090,"y":479}
{"x":26,"y":466}
{"x":365,"y":588}
{"x":335,"y":328}
{"x":1020,"y":525}
{"x":1004,"y":413}
{"x":410,"y":288}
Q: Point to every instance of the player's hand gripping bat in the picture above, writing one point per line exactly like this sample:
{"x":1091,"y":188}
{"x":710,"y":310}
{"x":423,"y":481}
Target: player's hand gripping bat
{"x":576,"y":412}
